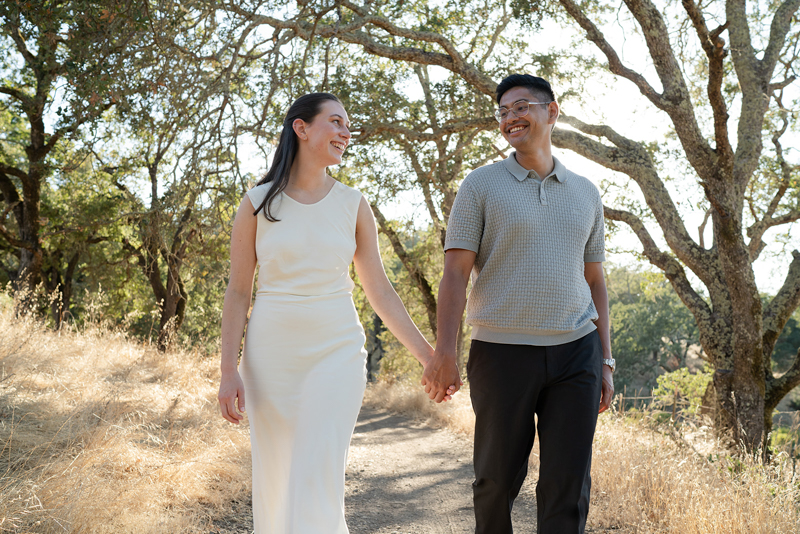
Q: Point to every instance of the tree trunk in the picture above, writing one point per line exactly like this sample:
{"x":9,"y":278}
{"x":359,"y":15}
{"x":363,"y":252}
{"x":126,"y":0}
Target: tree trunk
{"x":374,"y":347}
{"x":173,"y":309}
{"x":60,"y":287}
{"x":29,"y":275}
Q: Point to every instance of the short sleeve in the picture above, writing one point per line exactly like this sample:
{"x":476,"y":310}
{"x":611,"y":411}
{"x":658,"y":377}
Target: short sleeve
{"x":595,"y":249}
{"x":465,"y":226}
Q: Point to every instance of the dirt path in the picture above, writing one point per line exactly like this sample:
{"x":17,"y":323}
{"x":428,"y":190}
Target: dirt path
{"x":404,"y":477}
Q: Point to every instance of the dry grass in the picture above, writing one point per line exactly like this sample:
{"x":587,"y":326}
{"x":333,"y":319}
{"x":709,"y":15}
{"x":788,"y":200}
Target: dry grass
{"x":101,"y":434}
{"x":646,"y":482}
{"x":409,"y":399}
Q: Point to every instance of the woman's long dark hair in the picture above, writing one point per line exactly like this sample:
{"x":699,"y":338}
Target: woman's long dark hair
{"x":305,"y":108}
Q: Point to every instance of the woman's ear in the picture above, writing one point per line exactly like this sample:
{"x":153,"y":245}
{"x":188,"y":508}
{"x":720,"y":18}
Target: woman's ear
{"x":299,"y":127}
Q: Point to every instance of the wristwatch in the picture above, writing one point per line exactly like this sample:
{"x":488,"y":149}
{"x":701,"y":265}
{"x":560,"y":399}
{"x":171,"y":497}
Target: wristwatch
{"x":611,"y":362}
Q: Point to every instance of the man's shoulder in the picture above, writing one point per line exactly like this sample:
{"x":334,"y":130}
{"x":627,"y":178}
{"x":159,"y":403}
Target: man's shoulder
{"x":486,"y":174}
{"x":581,"y":185}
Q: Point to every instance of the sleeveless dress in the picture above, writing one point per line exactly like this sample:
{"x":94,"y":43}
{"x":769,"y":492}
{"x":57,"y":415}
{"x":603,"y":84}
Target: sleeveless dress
{"x":304,"y":363}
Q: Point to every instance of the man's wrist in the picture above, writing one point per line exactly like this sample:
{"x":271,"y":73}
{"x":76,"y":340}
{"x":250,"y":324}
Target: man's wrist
{"x":444,"y":353}
{"x":611,"y":363}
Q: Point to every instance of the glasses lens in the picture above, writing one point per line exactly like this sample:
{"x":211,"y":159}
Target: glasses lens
{"x":521,"y":109}
{"x":501,"y":114}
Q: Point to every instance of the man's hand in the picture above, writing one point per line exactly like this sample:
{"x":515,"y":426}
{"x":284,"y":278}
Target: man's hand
{"x":608,"y":389}
{"x":441,"y":377}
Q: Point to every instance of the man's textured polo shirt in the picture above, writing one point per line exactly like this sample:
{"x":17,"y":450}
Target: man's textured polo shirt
{"x":532,"y":238}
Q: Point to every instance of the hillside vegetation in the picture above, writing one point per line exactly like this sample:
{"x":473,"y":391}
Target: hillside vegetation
{"x":103,"y":434}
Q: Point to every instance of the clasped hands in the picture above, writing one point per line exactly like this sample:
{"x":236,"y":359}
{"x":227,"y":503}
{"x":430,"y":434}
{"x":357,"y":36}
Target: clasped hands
{"x":441,"y":378}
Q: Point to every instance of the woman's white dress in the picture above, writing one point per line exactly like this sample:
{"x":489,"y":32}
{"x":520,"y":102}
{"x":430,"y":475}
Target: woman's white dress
{"x":303,"y":364}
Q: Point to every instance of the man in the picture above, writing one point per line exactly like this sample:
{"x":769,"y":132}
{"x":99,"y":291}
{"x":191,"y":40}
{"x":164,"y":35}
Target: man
{"x":531,"y":233}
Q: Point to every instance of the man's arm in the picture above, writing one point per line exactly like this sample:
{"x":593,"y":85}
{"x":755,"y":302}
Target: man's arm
{"x":442,"y":370}
{"x":593,"y":272}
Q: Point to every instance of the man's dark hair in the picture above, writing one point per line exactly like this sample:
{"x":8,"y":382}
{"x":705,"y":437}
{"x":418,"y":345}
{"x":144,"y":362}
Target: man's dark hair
{"x":538,"y":86}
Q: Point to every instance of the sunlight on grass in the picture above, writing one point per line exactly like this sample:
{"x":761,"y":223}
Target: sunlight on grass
{"x":643,"y":480}
{"x":102,"y":434}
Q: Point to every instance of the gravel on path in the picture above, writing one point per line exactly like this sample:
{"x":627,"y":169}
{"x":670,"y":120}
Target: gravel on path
{"x":404,"y":477}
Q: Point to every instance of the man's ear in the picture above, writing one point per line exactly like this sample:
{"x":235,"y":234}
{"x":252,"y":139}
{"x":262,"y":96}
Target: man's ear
{"x":553,"y":114}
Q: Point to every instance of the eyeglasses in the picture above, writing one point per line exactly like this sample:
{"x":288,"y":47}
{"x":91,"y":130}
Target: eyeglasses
{"x":519,"y":108}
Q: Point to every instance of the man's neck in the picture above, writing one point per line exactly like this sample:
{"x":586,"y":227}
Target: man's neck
{"x":538,"y":159}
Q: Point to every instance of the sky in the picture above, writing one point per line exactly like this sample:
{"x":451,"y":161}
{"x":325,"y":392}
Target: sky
{"x":619,"y":104}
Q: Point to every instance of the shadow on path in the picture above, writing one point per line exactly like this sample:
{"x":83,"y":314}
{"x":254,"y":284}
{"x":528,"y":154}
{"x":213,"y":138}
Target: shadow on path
{"x":404,"y":477}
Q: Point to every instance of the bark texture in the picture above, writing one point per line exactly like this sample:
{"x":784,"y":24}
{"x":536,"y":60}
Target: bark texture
{"x":737,"y":333}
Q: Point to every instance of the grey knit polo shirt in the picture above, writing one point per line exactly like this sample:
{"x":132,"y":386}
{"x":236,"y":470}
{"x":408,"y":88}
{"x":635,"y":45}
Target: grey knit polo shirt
{"x":532,"y":237}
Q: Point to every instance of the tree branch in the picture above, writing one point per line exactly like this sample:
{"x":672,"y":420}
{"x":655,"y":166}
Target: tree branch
{"x":13,"y":240}
{"x":702,"y":228}
{"x":632,"y":158}
{"x":352,"y":33}
{"x":707,"y":321}
{"x":424,"y":180}
{"x":778,"y":388}
{"x":614,"y":62}
{"x":757,"y":230}
{"x":451,"y":127}
{"x":669,"y":265}
{"x":754,"y":76}
{"x":675,"y":100}
{"x":12,"y":199}
{"x":13,"y":171}
{"x":714,"y":47}
{"x":19,"y":95}
{"x":413,"y":270}
{"x":14,"y":32}
{"x":781,"y":24}
{"x":780,"y":308}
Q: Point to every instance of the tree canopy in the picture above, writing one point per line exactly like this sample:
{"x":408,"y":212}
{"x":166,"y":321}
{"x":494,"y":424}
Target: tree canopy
{"x":166,"y":106}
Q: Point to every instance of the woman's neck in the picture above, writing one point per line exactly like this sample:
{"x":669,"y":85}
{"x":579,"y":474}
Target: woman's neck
{"x":306,"y":176}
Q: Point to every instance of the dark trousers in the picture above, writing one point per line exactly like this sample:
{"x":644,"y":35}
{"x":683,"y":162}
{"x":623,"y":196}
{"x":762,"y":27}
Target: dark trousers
{"x":561,"y":385}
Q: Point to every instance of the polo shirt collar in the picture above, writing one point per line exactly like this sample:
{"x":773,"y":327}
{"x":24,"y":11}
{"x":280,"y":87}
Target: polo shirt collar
{"x":520,"y":173}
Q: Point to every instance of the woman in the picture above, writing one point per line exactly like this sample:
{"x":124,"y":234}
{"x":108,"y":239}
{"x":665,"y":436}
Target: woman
{"x":303,"y":366}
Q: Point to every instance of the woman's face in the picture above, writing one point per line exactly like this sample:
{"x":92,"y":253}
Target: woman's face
{"x":325,"y":138}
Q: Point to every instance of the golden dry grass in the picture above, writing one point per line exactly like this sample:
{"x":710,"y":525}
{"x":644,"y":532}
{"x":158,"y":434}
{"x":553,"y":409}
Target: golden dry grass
{"x":102,"y":434}
{"x":644,"y":482}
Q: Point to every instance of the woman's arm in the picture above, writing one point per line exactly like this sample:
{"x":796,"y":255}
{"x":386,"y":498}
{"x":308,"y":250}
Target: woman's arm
{"x":235,"y":307}
{"x":379,"y":290}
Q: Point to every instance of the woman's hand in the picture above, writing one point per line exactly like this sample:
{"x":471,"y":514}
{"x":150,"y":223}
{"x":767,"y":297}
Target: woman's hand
{"x":451,"y":391}
{"x":231,"y":388}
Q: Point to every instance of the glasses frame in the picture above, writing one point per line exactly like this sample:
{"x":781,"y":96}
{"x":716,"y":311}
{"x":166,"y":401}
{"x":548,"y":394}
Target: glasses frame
{"x":511,"y":110}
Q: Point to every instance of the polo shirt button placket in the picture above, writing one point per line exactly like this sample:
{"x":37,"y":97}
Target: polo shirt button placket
{"x":542,"y":196}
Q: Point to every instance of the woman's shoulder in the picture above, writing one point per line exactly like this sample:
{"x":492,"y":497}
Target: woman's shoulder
{"x":350,"y":193}
{"x":258,"y":193}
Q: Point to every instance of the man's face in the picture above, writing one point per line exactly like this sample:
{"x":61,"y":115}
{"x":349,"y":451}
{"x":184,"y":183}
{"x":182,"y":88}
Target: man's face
{"x":532,"y":129}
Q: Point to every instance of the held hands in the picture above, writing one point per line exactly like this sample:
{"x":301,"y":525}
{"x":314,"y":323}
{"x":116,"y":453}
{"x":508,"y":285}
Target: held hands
{"x":231,"y":388}
{"x":608,"y":389}
{"x":441,"y":378}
